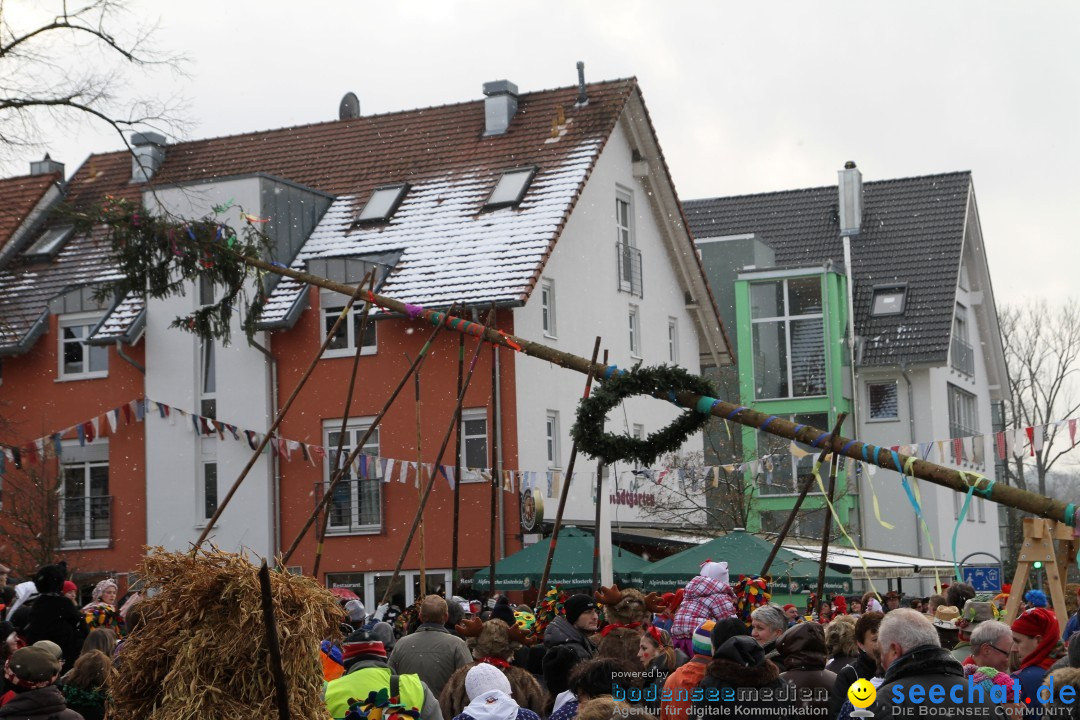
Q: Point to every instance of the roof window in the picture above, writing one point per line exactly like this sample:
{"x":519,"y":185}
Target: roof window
{"x":49,"y":242}
{"x":383,"y":203}
{"x":511,"y":188}
{"x":889,"y":300}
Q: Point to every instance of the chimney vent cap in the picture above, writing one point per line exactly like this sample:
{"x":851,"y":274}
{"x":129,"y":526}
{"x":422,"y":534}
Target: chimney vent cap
{"x":148,"y":138}
{"x":500,"y":87}
{"x":849,"y":165}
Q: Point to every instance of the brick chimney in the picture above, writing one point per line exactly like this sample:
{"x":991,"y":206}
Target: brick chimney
{"x":500,"y":106}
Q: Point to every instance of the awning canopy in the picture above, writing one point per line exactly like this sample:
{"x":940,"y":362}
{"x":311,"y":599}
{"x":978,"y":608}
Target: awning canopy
{"x":745,"y":554}
{"x":571,"y":567}
{"x":878,"y":564}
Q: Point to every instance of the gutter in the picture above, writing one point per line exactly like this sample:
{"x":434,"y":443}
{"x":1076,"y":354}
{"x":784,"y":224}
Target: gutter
{"x":128,"y":359}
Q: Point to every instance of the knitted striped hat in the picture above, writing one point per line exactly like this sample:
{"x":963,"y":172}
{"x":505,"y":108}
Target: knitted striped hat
{"x":702,"y":639}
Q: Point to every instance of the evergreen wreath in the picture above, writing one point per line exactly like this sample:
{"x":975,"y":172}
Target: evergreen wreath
{"x":662,"y":380}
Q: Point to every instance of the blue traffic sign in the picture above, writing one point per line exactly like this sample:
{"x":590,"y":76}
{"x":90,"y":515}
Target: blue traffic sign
{"x":983,"y":579}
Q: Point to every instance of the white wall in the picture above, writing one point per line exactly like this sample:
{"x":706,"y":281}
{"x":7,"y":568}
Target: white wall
{"x":172,"y":448}
{"x":588,"y":303}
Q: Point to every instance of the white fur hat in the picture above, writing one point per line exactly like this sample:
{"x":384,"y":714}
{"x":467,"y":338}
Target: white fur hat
{"x":483,"y":677}
{"x":715,"y":571}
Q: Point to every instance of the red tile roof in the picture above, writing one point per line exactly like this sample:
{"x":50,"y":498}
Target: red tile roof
{"x":20,"y":196}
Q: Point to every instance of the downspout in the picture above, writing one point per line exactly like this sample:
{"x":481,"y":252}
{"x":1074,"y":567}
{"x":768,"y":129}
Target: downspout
{"x":911,"y":439}
{"x":126,"y":358}
{"x":275,"y":465}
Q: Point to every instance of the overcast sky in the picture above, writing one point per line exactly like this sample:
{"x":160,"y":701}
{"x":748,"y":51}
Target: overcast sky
{"x":746,"y":97}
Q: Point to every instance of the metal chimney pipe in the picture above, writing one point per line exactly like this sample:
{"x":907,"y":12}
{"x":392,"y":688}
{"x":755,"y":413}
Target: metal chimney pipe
{"x":583,"y":97}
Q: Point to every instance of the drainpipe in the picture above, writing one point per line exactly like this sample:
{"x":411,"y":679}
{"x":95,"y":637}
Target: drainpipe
{"x":275,"y":465}
{"x":126,"y":358}
{"x":911,"y":439}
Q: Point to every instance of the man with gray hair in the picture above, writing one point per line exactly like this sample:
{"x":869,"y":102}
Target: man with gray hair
{"x":918,"y":671}
{"x":767,"y":624}
{"x":991,"y":643}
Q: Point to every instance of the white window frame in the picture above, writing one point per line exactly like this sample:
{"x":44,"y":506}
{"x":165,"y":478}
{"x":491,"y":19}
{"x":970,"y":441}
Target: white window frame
{"x":634,"y":317}
{"x":870,"y":418}
{"x":624,"y":234}
{"x":330,"y":306}
{"x":787,"y":319}
{"x":472,"y":473}
{"x":87,"y":320}
{"x":356,"y":428}
{"x":208,"y":455}
{"x":551,"y":440}
{"x":548,"y":319}
{"x":673,"y":340}
{"x":96,"y":455}
{"x":638,"y":432}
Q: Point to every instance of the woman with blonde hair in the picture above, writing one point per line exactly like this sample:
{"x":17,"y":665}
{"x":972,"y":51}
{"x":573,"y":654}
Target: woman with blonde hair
{"x":840,"y":644}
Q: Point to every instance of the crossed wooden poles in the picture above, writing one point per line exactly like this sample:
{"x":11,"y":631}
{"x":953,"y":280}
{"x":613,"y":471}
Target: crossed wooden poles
{"x":958,"y":481}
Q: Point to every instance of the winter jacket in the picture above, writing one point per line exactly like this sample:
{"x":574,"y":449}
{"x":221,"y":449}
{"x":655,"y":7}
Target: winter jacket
{"x":802,"y":652}
{"x":525,"y":690}
{"x":1031,"y":679}
{"x":704,"y":599}
{"x":656,"y":675}
{"x":1073,"y":625}
{"x":925,"y":667}
{"x":88,"y":703}
{"x":432,"y":653}
{"x":495,"y":705}
{"x":839,"y":662}
{"x":961,"y":651}
{"x":740,"y":681}
{"x":54,"y":617}
{"x":864,"y":668}
{"x":674,"y":705}
{"x":566,"y":711}
{"x":368,"y":675}
{"x":561,"y":633}
{"x":45,"y":703}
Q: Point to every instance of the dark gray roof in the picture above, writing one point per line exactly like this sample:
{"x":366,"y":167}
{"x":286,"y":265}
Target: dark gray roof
{"x":912,"y":232}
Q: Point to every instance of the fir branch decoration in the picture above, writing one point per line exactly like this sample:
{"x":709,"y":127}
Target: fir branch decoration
{"x":160,"y":257}
{"x":661,"y":381}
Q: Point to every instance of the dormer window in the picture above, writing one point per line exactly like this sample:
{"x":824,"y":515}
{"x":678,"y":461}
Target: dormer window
{"x":511,"y":188}
{"x":383,"y":203}
{"x":889,"y":300}
{"x":49,"y":243}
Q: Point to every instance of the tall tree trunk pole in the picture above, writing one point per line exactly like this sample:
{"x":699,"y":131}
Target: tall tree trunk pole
{"x":798,"y":502}
{"x":420,"y":483}
{"x":320,"y":536}
{"x":495,"y":478}
{"x":339,"y":473}
{"x":354,"y":293}
{"x":455,"y":422}
{"x":566,"y":485}
{"x":281,"y":686}
{"x":881,"y":456}
{"x":834,"y":465}
{"x":596,"y":522}
{"x":457,"y":479}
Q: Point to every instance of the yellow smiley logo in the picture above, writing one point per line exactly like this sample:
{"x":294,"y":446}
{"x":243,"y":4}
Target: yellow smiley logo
{"x":862,"y":693}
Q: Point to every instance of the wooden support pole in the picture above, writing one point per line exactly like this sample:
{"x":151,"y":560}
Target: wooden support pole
{"x":1038,"y":546}
{"x":596,"y":522}
{"x":281,"y":685}
{"x":353,"y":294}
{"x":1001,"y":493}
{"x":421,"y":479}
{"x":834,"y":465}
{"x":455,"y":421}
{"x":339,"y":473}
{"x":495,"y":469}
{"x":454,"y":572}
{"x":566,"y":485}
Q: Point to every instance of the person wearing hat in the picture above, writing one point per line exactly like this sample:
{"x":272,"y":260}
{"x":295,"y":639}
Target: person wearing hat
{"x":975,"y":613}
{"x":707,"y":597}
{"x":745,"y":683}
{"x":574,"y":630}
{"x":892,"y":601}
{"x":490,"y":696}
{"x":366,"y":672}
{"x":31,"y":672}
{"x":1036,"y":634}
{"x":793,"y":616}
{"x":53,"y":616}
{"x":944,"y":621}
{"x":690,"y":674}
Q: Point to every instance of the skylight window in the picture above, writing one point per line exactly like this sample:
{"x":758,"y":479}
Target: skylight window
{"x":383,"y":203}
{"x":511,"y":188}
{"x":50,"y":241}
{"x":889,"y":301}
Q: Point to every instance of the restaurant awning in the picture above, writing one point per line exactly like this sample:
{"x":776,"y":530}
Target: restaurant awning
{"x":879,"y":565}
{"x":745,"y":554}
{"x":571,"y":566}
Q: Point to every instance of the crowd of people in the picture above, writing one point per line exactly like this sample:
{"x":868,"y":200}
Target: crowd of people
{"x":708,"y":650}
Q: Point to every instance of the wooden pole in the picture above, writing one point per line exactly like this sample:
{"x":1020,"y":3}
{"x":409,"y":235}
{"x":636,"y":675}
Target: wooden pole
{"x":359,"y":338}
{"x":799,"y":501}
{"x":566,"y":485}
{"x":596,"y":522}
{"x":833,"y":467}
{"x":1001,"y":493}
{"x":454,"y":573}
{"x":421,"y":480}
{"x":353,"y":294}
{"x":339,"y":472}
{"x":455,"y":421}
{"x":495,"y":479}
{"x":281,"y":687}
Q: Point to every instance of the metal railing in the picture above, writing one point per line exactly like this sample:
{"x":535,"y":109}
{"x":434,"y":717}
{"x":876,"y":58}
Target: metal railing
{"x":629,"y":268}
{"x":963,"y":356}
{"x":356,"y":507}
{"x":85,"y":520}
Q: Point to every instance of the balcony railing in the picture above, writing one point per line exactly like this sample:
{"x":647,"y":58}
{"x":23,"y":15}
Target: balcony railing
{"x":86,"y":521}
{"x":963,"y":357}
{"x":356,"y":507}
{"x":629,"y":268}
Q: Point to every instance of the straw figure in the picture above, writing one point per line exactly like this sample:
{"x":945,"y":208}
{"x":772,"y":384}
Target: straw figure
{"x":200,"y":650}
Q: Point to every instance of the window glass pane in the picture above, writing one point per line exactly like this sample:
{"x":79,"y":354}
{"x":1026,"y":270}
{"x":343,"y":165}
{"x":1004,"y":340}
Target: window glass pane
{"x":511,"y":187}
{"x":381,"y":202}
{"x":808,"y":357}
{"x":341,"y":337}
{"x":883,"y":401}
{"x":476,"y":455}
{"x":206,"y":291}
{"x":99,"y":358}
{"x":73,"y":350}
{"x":775,"y":474}
{"x":74,"y":481}
{"x":99,"y":480}
{"x":210,"y":487}
{"x":887,"y":302}
{"x":766,"y":299}
{"x":369,"y":331}
{"x":770,"y":360}
{"x":804,"y":294}
{"x":209,"y":372}
{"x":50,"y":240}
